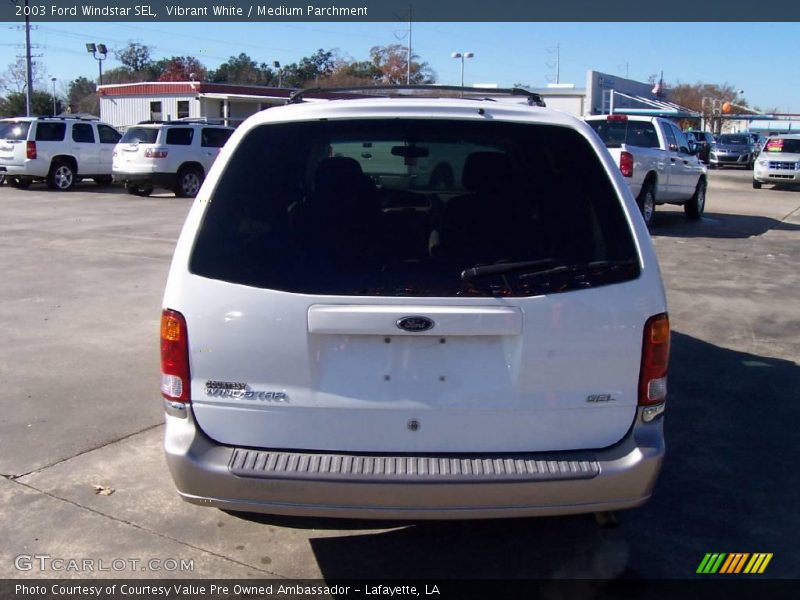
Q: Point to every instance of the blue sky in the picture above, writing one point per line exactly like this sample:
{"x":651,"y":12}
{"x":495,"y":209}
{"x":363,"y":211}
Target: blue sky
{"x":750,"y":56}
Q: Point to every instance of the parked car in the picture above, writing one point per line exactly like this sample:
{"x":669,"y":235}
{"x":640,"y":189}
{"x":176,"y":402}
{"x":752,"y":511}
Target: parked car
{"x":732,"y":150}
{"x":654,"y":157}
{"x":175,"y":155}
{"x":778,"y":162}
{"x":59,"y":150}
{"x":703,"y":141}
{"x":340,"y":339}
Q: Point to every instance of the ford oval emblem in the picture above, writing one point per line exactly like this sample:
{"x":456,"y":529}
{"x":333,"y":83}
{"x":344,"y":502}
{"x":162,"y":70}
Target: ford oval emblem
{"x":415,"y":324}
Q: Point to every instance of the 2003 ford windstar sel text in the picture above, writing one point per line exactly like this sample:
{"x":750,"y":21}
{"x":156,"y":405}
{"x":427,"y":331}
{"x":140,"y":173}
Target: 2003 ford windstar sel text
{"x":414,"y":307}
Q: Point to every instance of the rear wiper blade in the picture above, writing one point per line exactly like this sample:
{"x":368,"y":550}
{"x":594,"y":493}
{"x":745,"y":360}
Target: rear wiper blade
{"x":503,"y":268}
{"x":602,"y":265}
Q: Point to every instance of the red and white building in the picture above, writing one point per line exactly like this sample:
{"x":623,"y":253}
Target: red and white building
{"x":126,"y":104}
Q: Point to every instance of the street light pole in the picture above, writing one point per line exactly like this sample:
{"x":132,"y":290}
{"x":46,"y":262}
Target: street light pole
{"x":462,"y":56}
{"x":94,"y":50}
{"x":53,"y":79}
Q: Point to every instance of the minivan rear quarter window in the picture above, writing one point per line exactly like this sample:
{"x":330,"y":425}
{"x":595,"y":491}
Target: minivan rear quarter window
{"x":415,"y":208}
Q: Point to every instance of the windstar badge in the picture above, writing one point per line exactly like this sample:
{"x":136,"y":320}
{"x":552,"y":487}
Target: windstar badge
{"x":235,"y":389}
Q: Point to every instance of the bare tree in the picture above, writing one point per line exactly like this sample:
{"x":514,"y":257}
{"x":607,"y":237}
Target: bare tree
{"x":13,"y":80}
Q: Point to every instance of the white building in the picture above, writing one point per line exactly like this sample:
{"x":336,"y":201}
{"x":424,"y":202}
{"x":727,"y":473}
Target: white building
{"x":126,"y":104}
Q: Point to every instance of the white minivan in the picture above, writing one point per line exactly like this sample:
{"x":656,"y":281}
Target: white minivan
{"x":347,"y":332}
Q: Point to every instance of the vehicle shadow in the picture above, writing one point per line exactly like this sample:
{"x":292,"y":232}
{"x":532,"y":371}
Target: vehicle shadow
{"x":728,"y":484}
{"x":82,"y":186}
{"x":90,"y":187}
{"x":715,"y":225}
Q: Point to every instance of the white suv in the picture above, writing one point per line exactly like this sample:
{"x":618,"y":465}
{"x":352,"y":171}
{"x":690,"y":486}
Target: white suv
{"x":778,"y":162}
{"x":58,"y":150}
{"x":175,"y":155}
{"x":434,"y":308}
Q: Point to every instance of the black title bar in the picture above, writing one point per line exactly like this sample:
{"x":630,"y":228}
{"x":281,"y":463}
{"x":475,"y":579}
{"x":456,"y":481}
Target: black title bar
{"x":397,"y":10}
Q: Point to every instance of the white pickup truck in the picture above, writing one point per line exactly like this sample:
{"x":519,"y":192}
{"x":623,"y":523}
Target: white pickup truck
{"x":656,"y":161}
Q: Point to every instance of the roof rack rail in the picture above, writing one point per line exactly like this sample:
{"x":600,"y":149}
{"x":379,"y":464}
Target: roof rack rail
{"x":533,"y":98}
{"x":213,"y":120}
{"x":185,"y":121}
{"x":73,"y":116}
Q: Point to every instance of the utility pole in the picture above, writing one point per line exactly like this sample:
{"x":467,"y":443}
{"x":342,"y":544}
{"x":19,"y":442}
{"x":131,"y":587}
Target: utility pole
{"x":408,"y":66}
{"x":557,"y":65}
{"x":406,"y":36}
{"x":28,"y":64}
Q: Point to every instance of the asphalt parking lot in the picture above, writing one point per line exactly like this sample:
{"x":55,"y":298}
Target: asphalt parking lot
{"x":83,"y":274}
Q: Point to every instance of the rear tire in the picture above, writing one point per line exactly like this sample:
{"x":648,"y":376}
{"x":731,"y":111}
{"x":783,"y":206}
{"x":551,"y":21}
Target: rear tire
{"x":756,"y":185}
{"x":188,"y":183}
{"x":695,"y":207}
{"x":22,"y":183}
{"x":647,"y":203}
{"x":61,"y":176}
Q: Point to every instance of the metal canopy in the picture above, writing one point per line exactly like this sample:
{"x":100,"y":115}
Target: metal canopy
{"x":655,"y":108}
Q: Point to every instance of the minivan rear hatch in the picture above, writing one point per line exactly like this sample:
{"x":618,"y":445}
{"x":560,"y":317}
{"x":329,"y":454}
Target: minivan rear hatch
{"x":414,"y":285}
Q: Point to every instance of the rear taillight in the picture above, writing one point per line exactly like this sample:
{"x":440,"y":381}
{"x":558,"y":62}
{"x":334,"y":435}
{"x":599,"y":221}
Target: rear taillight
{"x":30,"y":150}
{"x":156,"y":153}
{"x":617,"y":118}
{"x":174,"y":357}
{"x":626,"y":163}
{"x":655,"y":360}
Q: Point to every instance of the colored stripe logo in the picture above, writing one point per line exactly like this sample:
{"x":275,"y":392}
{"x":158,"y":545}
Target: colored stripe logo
{"x":735,"y":562}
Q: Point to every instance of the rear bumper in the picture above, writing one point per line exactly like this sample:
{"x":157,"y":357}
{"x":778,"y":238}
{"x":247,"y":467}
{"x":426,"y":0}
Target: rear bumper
{"x":31,"y":168}
{"x":621,"y":477}
{"x":160,"y":180}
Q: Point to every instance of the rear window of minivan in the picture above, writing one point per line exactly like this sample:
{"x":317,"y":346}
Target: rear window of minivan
{"x":14,"y":130}
{"x":415,"y":208}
